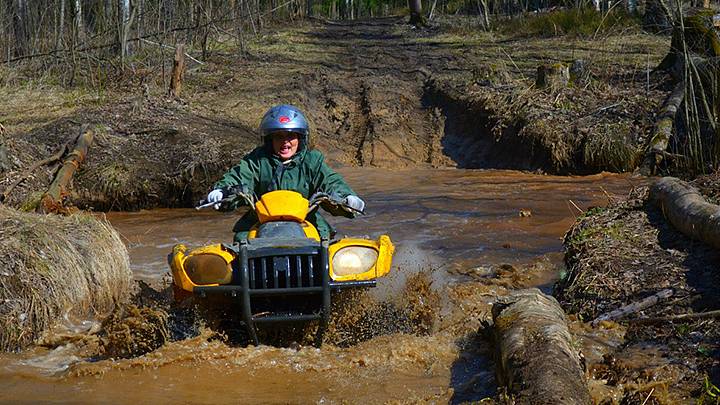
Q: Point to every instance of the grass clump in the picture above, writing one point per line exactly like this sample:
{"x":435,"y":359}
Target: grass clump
{"x":52,"y":266}
{"x":612,"y":148}
{"x":579,"y":22}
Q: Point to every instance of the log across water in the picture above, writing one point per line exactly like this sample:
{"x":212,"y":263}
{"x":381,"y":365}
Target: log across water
{"x":537,"y":361}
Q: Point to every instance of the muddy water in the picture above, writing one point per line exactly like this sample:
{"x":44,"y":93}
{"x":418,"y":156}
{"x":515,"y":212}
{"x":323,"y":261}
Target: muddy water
{"x":456,"y":225}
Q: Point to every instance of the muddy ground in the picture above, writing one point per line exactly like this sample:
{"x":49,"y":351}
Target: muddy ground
{"x":377,"y":93}
{"x":623,"y":254}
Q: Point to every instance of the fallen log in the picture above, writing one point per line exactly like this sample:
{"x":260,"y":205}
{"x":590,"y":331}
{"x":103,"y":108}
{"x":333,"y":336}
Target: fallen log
{"x":663,"y":131}
{"x":537,"y":360}
{"x":687,"y":210}
{"x":52,"y":200}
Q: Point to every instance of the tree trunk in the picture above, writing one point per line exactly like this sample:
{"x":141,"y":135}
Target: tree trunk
{"x":687,"y":210}
{"x":79,"y":21}
{"x":416,"y":17}
{"x":61,"y":26}
{"x":126,"y":19}
{"x":21,"y":28}
{"x":538,"y":361}
{"x":177,"y":71}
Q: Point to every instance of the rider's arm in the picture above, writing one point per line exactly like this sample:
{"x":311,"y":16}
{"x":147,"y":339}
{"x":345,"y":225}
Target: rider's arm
{"x":245,"y":173}
{"x":329,"y":181}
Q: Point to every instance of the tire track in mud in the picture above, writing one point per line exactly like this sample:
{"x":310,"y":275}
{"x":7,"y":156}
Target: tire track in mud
{"x":366,"y":131}
{"x":373,"y":112}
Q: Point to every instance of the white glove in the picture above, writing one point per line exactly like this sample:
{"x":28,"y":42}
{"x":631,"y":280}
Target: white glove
{"x":215,"y":196}
{"x":355,"y":203}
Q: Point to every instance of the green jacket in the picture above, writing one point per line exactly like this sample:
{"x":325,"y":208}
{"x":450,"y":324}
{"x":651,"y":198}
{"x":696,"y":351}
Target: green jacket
{"x":306,"y":173}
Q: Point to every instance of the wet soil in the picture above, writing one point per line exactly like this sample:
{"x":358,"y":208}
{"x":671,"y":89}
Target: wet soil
{"x":380,"y":94}
{"x":377,"y":93}
{"x":622,"y":255}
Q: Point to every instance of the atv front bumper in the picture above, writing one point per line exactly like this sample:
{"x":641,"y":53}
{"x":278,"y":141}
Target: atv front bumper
{"x":292,"y":272}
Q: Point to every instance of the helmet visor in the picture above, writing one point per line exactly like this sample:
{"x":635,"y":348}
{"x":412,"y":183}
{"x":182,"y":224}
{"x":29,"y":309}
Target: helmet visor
{"x":301,"y":133}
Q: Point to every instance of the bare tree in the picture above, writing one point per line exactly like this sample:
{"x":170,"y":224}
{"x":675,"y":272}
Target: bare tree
{"x":416,"y":17}
{"x":60,"y":25}
{"x":21,"y":26}
{"x":79,"y":21}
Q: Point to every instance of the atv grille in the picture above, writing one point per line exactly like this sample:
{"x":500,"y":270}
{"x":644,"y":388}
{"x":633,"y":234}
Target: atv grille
{"x":293,"y":271}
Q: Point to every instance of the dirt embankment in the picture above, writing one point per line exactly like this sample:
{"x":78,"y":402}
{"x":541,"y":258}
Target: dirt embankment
{"x":377,"y":94}
{"x":627,"y":255}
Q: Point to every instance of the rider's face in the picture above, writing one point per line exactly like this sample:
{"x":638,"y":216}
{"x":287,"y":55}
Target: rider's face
{"x":285,"y":144}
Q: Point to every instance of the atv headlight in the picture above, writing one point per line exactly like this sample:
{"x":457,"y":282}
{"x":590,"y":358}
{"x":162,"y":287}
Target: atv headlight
{"x":206,"y":269}
{"x":353,"y":260}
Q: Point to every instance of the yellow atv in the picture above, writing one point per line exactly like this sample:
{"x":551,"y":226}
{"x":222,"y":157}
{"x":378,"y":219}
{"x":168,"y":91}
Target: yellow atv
{"x":284,"y":271}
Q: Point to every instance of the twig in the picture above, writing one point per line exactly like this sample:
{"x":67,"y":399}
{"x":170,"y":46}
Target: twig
{"x":676,"y":318}
{"x":648,"y":397}
{"x":432,"y":10}
{"x":276,"y":8}
{"x":576,"y":207}
{"x":634,"y":307}
{"x":53,"y":158}
{"x":607,"y":195}
{"x":601,"y":109}
{"x":173,"y":48}
{"x":602,"y":21}
{"x":513,"y":62}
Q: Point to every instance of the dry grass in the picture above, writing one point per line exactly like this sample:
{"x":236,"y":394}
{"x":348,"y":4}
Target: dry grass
{"x":623,"y":254}
{"x":51,"y":266}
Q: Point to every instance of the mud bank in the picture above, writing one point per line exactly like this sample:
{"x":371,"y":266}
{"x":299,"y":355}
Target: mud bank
{"x":628,"y":257}
{"x":55,"y":268}
{"x":377,"y":93}
{"x":508,"y":124}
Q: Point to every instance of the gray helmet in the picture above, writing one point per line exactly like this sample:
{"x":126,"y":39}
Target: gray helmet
{"x":284,"y":118}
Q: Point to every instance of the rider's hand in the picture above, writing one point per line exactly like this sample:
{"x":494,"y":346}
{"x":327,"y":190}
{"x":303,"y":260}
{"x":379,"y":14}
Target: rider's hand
{"x":215,"y":196}
{"x":355,"y":203}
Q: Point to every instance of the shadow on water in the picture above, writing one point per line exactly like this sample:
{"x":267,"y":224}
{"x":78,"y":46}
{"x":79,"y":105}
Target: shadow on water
{"x":472,"y":375}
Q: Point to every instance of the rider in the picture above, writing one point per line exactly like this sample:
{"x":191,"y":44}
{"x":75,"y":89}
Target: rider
{"x":285,"y":161}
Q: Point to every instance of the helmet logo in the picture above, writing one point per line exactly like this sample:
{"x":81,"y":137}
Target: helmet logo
{"x":284,"y":119}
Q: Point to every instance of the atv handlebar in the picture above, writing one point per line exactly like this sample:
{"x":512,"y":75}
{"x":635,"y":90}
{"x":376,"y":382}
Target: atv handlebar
{"x":314,"y":202}
{"x":233,"y":194}
{"x":320,"y":197}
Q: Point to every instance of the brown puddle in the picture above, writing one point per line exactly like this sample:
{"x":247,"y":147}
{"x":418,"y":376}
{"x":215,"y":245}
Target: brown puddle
{"x":462,"y":229}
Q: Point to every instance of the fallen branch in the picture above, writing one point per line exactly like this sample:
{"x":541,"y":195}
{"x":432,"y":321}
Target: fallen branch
{"x":634,"y":307}
{"x":677,"y":318}
{"x":52,"y":200}
{"x":30,"y":170}
{"x":173,"y":48}
{"x":663,"y":130}
{"x":538,"y":361}
{"x":687,"y":210}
